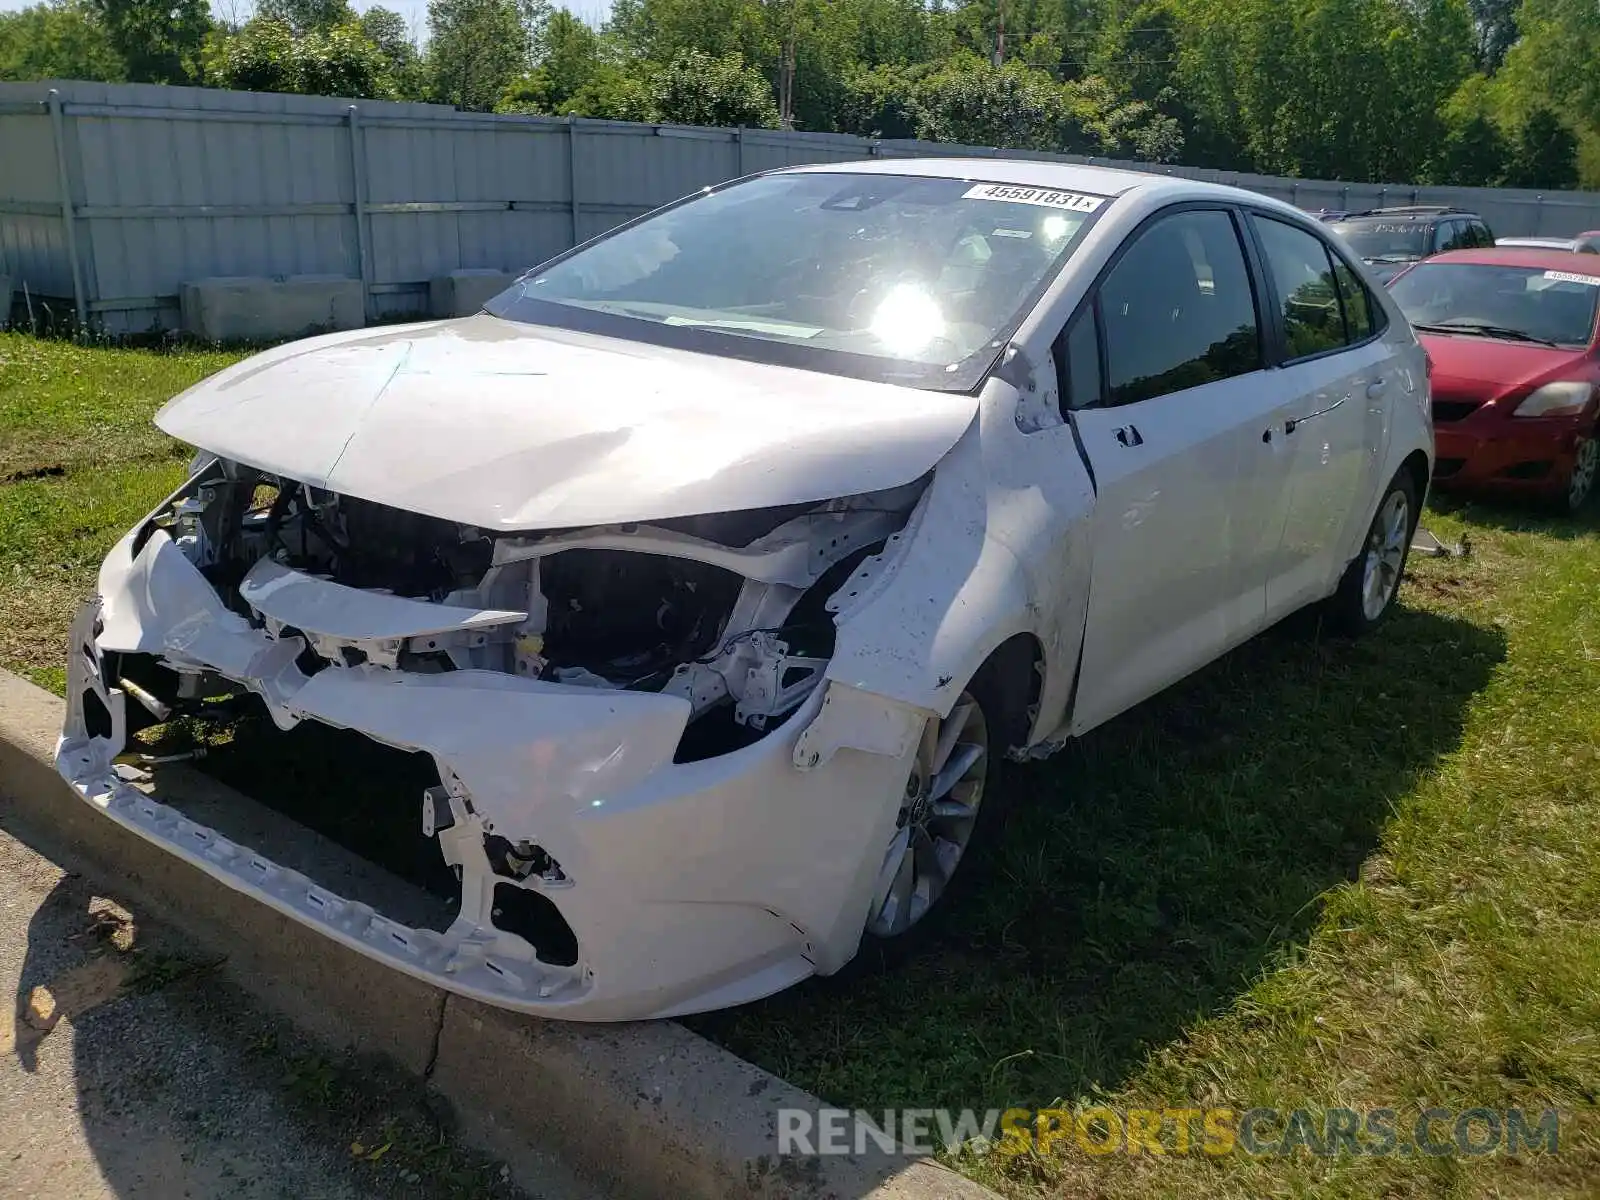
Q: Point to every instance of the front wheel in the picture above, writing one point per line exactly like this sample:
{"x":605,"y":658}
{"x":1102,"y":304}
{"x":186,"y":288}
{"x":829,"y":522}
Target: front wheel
{"x":950,"y":814}
{"x":1367,"y":590}
{"x":1585,"y":468}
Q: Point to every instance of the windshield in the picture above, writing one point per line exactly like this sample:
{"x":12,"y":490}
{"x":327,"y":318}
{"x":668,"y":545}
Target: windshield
{"x":891,"y":277}
{"x":1517,"y":303}
{"x":1385,"y":239}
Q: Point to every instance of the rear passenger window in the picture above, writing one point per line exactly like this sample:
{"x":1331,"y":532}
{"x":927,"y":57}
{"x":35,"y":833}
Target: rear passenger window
{"x":1359,"y":318}
{"x":1177,"y":310}
{"x":1308,"y":297}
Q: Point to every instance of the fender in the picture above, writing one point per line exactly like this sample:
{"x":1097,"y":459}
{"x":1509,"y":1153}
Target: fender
{"x":994,"y":548}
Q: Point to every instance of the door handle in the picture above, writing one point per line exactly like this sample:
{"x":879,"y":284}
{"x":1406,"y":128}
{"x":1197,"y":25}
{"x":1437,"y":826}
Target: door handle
{"x":1292,"y":423}
{"x":1376,"y":388}
{"x":1128,"y":435}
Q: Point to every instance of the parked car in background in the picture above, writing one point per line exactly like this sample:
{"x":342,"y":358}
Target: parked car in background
{"x":1514,"y":340}
{"x":1583,"y":243}
{"x":1389,"y":239}
{"x":718,"y":563}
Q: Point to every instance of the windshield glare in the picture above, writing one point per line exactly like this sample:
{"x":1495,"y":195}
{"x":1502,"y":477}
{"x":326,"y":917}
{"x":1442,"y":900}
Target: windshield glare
{"x":1385,"y":239}
{"x":1551,"y":306}
{"x":900,"y":278}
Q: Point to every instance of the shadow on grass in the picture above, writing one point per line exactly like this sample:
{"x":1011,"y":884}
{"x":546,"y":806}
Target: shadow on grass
{"x":1146,"y":875}
{"x":1517,"y":516}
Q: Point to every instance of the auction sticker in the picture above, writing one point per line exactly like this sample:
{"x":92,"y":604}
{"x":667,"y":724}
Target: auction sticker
{"x":1043,"y":197}
{"x":1569,"y":277}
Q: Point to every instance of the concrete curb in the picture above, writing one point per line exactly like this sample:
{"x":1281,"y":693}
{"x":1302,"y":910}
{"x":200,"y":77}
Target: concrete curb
{"x":645,"y":1109}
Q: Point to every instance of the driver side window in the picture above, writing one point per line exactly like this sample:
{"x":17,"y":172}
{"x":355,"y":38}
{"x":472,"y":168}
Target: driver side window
{"x":1178,"y":310}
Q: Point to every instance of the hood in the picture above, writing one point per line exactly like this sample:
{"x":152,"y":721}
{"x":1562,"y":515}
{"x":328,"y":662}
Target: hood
{"x":509,"y":426}
{"x":1482,"y":369}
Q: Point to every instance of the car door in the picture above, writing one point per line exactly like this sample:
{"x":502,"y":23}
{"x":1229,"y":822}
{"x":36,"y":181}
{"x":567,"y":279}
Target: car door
{"x":1332,"y":373}
{"x":1168,"y":397}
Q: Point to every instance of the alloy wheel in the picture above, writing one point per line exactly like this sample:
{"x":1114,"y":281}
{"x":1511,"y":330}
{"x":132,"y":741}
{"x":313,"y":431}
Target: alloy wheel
{"x":1386,"y":554}
{"x":936,"y":819}
{"x":1584,"y":468}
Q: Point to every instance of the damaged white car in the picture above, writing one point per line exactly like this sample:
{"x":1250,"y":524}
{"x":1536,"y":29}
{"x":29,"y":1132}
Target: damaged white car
{"x":717,"y":564}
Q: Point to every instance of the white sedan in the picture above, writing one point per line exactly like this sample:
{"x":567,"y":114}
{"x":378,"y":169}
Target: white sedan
{"x":716,"y":564}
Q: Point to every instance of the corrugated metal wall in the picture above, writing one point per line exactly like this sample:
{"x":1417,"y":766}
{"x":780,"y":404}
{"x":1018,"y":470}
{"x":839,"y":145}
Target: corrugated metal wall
{"x":172,"y":184}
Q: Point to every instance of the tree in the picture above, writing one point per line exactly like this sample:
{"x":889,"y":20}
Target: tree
{"x":268,"y":56}
{"x":1474,"y":153}
{"x":1552,"y":65}
{"x":305,"y":16}
{"x":1546,"y":154}
{"x":475,"y":49}
{"x":972,"y":102}
{"x":1495,"y":24}
{"x":60,"y":40}
{"x":386,"y":29}
{"x":696,"y":89}
{"x":160,"y":41}
{"x":881,"y":103}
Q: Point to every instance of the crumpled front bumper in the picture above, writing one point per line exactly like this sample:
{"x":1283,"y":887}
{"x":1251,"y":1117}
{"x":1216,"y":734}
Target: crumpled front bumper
{"x":687,"y":887}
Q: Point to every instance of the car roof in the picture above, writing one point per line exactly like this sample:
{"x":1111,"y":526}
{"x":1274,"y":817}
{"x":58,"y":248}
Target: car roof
{"x":1069,"y":177}
{"x":1533,"y":257}
{"x":1388,"y":218}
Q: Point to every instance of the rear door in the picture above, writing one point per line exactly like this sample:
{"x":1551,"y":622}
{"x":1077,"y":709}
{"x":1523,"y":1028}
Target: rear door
{"x":1169,"y":399}
{"x":1333,"y":373}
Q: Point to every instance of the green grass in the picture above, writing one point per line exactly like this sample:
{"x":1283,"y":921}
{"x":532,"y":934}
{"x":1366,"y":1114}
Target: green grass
{"x":1318,"y":873}
{"x":80,"y":462}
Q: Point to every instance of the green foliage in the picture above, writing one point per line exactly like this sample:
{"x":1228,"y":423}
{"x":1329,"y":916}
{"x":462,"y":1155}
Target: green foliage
{"x":881,"y":102}
{"x":1553,"y":65}
{"x":1470,"y":92}
{"x":386,"y":29}
{"x":1474,"y":153}
{"x":1341,"y":89}
{"x":159,"y":41}
{"x":303,"y":16}
{"x":1546,"y":154}
{"x":59,"y":40}
{"x":696,"y":89}
{"x":1013,"y":106}
{"x":269,"y":56}
{"x":475,"y":49}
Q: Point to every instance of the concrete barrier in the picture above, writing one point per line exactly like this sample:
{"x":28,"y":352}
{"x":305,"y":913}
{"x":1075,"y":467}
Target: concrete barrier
{"x":462,"y":293}
{"x":642,"y":1109}
{"x":244,"y":308}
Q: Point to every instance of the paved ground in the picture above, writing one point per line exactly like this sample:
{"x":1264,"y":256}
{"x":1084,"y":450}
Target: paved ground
{"x":128,"y":1068}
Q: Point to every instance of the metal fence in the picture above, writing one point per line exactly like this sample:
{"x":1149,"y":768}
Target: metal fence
{"x":113,"y":195}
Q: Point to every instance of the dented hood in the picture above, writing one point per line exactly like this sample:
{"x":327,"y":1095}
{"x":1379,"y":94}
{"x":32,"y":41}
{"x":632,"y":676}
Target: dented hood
{"x":509,"y":426}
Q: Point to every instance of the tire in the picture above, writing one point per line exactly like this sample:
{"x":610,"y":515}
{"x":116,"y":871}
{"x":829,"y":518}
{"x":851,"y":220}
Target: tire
{"x":1581,"y":480}
{"x":1368,"y":587}
{"x":989,"y":718}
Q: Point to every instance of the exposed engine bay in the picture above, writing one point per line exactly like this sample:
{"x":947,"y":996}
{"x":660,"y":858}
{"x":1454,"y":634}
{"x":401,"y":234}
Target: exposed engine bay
{"x":730,"y":611}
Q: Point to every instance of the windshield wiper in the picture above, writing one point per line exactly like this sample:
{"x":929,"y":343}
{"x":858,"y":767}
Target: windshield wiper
{"x":1485,"y":330}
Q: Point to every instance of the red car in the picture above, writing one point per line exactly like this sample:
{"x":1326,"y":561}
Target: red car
{"x":1515,"y":349}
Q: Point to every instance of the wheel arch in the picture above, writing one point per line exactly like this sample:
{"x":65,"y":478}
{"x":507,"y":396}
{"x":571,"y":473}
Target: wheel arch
{"x":1016,"y":669}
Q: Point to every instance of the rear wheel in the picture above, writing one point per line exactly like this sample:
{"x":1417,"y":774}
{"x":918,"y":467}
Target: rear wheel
{"x":1367,"y":590}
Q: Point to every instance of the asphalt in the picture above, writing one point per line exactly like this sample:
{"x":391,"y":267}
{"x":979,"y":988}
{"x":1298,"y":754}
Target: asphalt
{"x":129,"y":1068}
